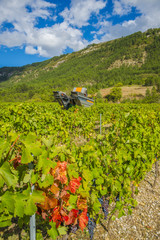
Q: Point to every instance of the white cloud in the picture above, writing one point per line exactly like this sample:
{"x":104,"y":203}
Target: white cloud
{"x":46,"y":41}
{"x":81,"y":11}
{"x":53,"y":40}
{"x":31,"y":50}
{"x":149,"y":11}
{"x":16,"y":12}
{"x":120,"y":8}
{"x":12,"y":39}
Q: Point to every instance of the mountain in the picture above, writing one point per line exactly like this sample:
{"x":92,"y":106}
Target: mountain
{"x":128,"y":60}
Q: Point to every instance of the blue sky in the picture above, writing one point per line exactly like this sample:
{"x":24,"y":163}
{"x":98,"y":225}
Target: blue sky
{"x":35,"y":30}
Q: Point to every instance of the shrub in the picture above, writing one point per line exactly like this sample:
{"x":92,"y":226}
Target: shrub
{"x":115,"y":94}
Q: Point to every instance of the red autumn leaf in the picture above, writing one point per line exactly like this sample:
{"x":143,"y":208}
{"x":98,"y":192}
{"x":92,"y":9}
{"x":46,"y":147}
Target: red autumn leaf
{"x":65,"y":196}
{"x":54,"y":189}
{"x":17,"y":160}
{"x":83,"y":219}
{"x":60,"y":173}
{"x":62,"y":177}
{"x":81,"y":203}
{"x":44,"y":215}
{"x":56,"y":216}
{"x":52,"y":202}
{"x":65,"y":218}
{"x":52,"y":172}
{"x":62,"y":165}
{"x":74,"y":184}
{"x":45,"y":205}
{"x":73,"y":214}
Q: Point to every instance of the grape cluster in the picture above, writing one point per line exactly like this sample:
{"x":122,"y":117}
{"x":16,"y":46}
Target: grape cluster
{"x":117,"y":198}
{"x":91,"y":226}
{"x":74,"y":228}
{"x":94,"y":182}
{"x":104,"y":203}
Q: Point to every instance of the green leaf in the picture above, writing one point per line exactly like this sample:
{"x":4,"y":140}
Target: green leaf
{"x":129,"y":169}
{"x":104,"y":191}
{"x":99,"y":181}
{"x":93,"y":197}
{"x":118,"y":205}
{"x":26,"y":156}
{"x":62,"y":230}
{"x":134,"y":140}
{"x":30,"y":138}
{"x":53,"y":233}
{"x":30,"y":207}
{"x":1,"y":181}
{"x":95,"y":173}
{"x":4,"y":147}
{"x":62,"y":157}
{"x":46,"y":181}
{"x":5,"y":223}
{"x":37,"y":196}
{"x":87,"y":175}
{"x":7,"y":176}
{"x":113,"y":218}
{"x":48,"y":142}
{"x":27,"y":178}
{"x":34,"y":177}
{"x":8,"y":201}
{"x":116,"y":186}
{"x":44,"y":163}
{"x":72,"y":171}
{"x":19,"y":208}
{"x":121,"y":213}
{"x":39,"y":235}
{"x":35,"y":150}
{"x":96,"y":206}
{"x":73,"y":200}
{"x":100,"y":137}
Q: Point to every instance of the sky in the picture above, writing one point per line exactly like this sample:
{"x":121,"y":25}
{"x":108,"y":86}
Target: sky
{"x":36,"y":30}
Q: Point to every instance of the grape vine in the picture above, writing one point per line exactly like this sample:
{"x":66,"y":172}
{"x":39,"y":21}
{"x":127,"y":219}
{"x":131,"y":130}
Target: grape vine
{"x":77,"y":172}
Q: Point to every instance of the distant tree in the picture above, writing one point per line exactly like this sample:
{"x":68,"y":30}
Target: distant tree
{"x":22,"y":88}
{"x":148,"y":94}
{"x":115,"y":94}
{"x":158,"y":85}
{"x":99,"y":97}
{"x":151,"y":97}
{"x":149,"y":81}
{"x":119,"y":84}
{"x":30,"y":94}
{"x":154,"y":94}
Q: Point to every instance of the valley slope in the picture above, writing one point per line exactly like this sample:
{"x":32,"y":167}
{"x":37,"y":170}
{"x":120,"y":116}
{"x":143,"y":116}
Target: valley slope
{"x":129,"y":60}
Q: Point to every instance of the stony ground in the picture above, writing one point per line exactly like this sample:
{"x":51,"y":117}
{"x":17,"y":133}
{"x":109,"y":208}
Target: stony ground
{"x":143,"y":224}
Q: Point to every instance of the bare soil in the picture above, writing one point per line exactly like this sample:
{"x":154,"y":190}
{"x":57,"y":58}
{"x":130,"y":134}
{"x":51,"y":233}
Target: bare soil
{"x":135,"y":91}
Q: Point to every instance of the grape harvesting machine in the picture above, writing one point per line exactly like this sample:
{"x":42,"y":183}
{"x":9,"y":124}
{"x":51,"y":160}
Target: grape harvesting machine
{"x":78,"y":97}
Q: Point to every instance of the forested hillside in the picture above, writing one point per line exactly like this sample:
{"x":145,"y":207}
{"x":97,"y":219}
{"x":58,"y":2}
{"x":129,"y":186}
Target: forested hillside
{"x":129,"y":60}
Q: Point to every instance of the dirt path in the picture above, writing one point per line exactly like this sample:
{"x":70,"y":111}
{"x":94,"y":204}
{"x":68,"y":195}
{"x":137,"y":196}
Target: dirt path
{"x":135,"y":91}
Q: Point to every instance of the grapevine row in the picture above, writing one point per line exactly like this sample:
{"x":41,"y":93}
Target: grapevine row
{"x":74,"y":183}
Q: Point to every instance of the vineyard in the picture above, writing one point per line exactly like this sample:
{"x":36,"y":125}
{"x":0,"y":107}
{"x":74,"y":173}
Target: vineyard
{"x":77,"y":165}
